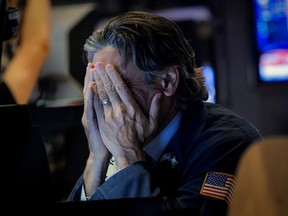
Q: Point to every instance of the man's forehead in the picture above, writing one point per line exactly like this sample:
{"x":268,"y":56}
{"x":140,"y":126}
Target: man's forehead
{"x":107,"y":55}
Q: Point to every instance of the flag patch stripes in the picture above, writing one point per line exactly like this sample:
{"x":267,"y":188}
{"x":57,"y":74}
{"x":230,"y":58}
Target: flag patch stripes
{"x":218,"y":185}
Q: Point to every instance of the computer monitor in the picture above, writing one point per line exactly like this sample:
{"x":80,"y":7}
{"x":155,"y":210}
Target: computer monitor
{"x":270,"y":29}
{"x":24,"y":165}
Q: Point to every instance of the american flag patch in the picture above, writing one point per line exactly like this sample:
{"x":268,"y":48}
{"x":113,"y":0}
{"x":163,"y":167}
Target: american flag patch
{"x":218,"y":185}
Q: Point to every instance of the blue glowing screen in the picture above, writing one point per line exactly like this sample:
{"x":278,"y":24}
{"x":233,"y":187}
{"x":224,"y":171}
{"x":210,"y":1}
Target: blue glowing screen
{"x":271,"y":19}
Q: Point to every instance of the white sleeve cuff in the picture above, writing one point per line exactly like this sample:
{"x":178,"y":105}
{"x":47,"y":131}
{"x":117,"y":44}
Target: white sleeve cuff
{"x":83,"y":194}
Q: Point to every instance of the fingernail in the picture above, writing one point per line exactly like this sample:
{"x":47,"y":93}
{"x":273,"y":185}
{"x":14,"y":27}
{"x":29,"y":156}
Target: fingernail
{"x":98,"y":65}
{"x":108,"y":67}
{"x":90,"y":64}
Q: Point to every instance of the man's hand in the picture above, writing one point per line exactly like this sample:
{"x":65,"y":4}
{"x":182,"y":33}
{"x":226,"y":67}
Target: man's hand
{"x":122,"y":124}
{"x":97,"y":163}
{"x":89,"y":120}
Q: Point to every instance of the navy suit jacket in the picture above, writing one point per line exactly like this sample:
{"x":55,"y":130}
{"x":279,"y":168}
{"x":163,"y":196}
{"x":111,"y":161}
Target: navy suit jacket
{"x":210,"y":138}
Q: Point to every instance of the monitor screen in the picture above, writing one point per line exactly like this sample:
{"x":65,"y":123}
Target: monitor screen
{"x":271,"y":32}
{"x":210,"y":81}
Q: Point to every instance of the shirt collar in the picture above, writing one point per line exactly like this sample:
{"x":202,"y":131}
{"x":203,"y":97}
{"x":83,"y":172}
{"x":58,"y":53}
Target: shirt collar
{"x":158,"y":144}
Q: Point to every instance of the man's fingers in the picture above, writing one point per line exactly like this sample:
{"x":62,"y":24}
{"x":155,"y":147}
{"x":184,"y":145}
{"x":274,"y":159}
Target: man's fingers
{"x":120,"y":87}
{"x":88,"y":103}
{"x":88,"y":76}
{"x":154,"y":111}
{"x":100,"y":85}
{"x":101,"y":95}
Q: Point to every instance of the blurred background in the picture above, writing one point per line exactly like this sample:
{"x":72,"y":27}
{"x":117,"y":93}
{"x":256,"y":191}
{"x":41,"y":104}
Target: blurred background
{"x":241,"y":44}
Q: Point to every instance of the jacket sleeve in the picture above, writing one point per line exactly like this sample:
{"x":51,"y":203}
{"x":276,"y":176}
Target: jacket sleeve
{"x":137,"y":183}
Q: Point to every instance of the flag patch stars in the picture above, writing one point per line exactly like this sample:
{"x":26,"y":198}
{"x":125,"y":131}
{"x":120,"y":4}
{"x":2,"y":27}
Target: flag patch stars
{"x":218,"y":185}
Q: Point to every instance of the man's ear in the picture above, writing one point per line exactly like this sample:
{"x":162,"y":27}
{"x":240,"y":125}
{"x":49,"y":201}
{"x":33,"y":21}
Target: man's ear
{"x":169,"y":81}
